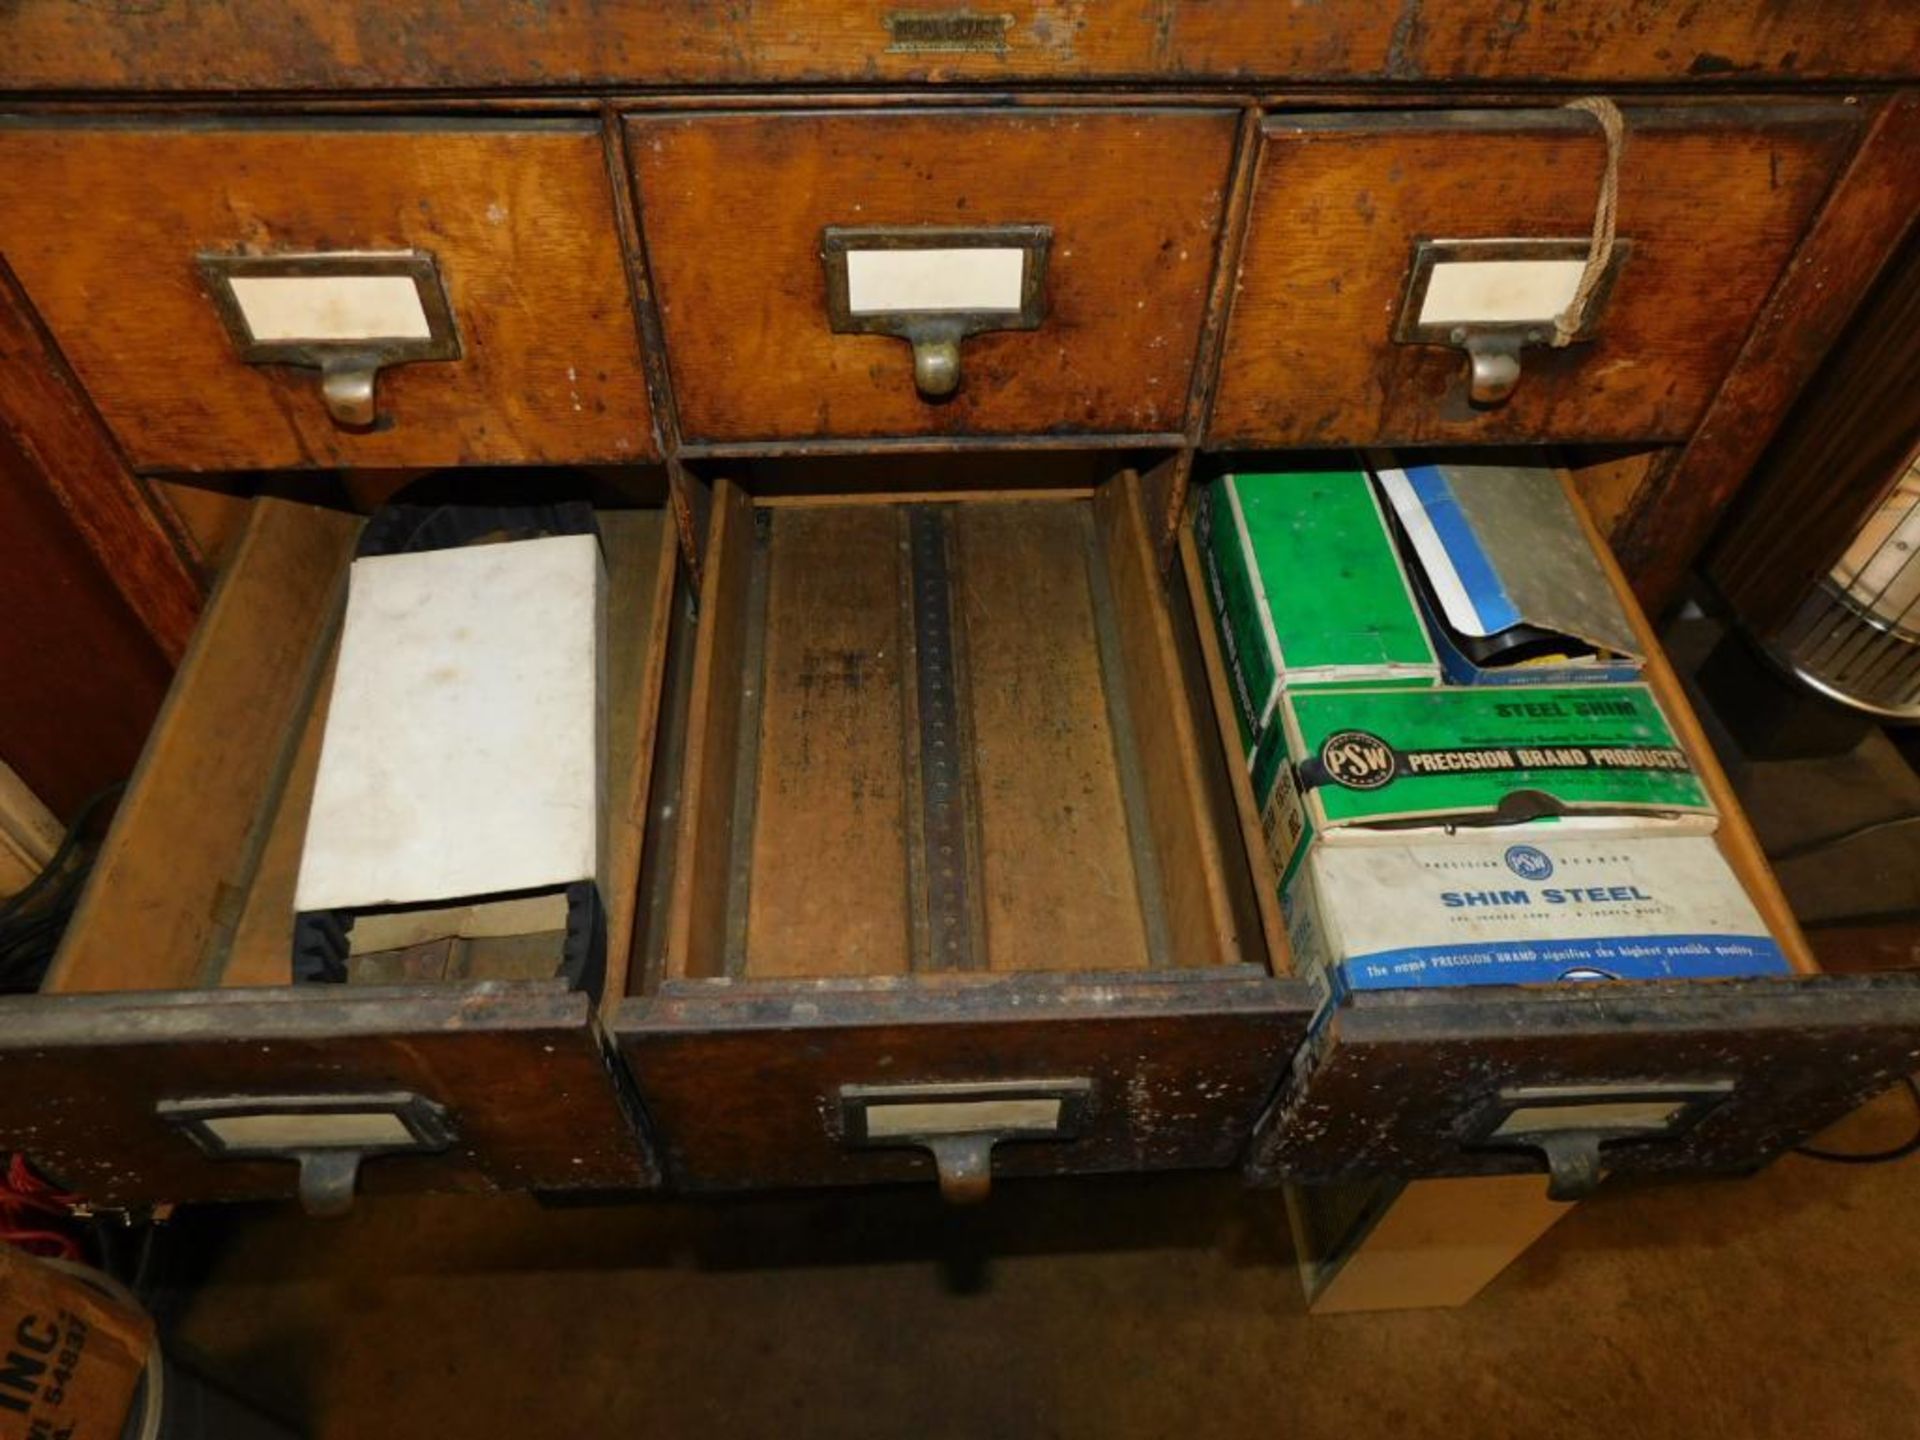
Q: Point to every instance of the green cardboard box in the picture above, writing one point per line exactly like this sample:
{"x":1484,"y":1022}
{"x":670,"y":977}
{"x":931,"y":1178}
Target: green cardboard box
{"x":1370,"y":766}
{"x":1307,"y":591}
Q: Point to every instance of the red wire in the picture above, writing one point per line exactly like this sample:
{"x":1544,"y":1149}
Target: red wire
{"x":24,"y":1197}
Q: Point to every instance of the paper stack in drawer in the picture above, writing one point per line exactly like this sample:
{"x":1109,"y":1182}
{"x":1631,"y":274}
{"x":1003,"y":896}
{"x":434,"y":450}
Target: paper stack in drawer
{"x":455,"y":829}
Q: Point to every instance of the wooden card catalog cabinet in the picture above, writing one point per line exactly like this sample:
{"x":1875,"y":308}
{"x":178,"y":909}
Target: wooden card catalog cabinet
{"x":891,"y":344}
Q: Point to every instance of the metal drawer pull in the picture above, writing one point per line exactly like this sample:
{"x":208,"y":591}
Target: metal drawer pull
{"x":960,"y":1124}
{"x":327,"y":1136}
{"x":1568,"y":1125}
{"x":346,"y":313}
{"x":1495,"y":298}
{"x":934,"y":285}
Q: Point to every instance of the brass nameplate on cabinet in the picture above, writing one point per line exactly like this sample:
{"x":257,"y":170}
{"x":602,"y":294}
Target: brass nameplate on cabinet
{"x":345,"y":313}
{"x":947,"y":32}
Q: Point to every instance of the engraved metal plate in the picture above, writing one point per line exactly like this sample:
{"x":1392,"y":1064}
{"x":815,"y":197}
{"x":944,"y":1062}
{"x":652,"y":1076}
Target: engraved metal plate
{"x":951,"y":32}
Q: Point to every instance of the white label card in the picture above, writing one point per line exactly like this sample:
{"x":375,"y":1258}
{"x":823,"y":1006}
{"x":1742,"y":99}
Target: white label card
{"x":1499,"y":292}
{"x":331,"y":307}
{"x":1648,"y":1115}
{"x":311,"y":1130}
{"x":958,"y":1117}
{"x":969,"y":278}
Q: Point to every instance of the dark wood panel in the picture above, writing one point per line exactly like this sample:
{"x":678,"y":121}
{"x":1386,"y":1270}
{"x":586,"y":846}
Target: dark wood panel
{"x":52,"y":427}
{"x":82,"y":678}
{"x":741,"y":1083}
{"x":1401,"y":1078}
{"x":1713,"y":201}
{"x":308,"y":45}
{"x":733,"y":207}
{"x":1856,"y":426}
{"x":103,"y":223}
{"x":519,"y":1067}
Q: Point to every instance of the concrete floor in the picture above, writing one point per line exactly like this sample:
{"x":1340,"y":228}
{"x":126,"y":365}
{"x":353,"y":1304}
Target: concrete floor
{"x":1784,"y":1305}
{"x":1788,"y":1305}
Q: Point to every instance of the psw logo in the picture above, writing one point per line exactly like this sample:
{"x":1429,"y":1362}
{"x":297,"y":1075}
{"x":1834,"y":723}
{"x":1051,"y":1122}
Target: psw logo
{"x":1357,"y":760}
{"x":1529,"y":863}
{"x":23,"y":1366}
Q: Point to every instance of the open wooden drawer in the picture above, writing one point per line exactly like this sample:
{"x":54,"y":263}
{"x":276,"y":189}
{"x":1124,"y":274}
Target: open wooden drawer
{"x":167,"y":1056}
{"x":1702,"y":1076}
{"x":949,"y":880}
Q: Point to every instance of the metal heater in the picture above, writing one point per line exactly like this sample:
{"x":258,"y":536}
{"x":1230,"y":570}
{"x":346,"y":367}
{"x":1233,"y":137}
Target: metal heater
{"x":1856,"y":637}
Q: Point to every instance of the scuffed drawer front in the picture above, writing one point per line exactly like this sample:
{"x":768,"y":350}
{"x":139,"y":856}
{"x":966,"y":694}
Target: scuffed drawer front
{"x":262,"y":1093}
{"x":1658,"y":1078}
{"x":816,"y":1083}
{"x":874,"y":274}
{"x":332,"y":292}
{"x":1402,"y":272}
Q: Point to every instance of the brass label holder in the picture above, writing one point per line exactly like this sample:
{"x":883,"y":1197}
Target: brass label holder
{"x":349,"y":364}
{"x":1568,"y":1125}
{"x":935,"y":330}
{"x":1495,"y":338}
{"x":327,"y":1136}
{"x":960,"y":1123}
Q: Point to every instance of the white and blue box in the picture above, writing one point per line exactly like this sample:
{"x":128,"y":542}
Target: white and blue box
{"x":1524,"y":909}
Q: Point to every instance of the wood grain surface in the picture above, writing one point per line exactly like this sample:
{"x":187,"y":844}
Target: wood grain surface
{"x":102,"y":223}
{"x":519,"y":1068}
{"x":742,"y":1083}
{"x":171,"y":879}
{"x":1873,"y":206}
{"x":305,"y":45}
{"x":828,"y":893}
{"x":1057,"y":874}
{"x":83,"y":678}
{"x":1713,"y":199}
{"x":60,"y":446}
{"x":1403,"y":1071}
{"x":733,"y":207}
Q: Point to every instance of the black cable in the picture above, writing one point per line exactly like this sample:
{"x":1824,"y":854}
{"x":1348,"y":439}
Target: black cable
{"x":1841,"y":837}
{"x":32,"y":922}
{"x":1870,"y":1157}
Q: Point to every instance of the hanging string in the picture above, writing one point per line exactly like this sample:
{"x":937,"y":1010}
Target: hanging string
{"x":1570,"y":321}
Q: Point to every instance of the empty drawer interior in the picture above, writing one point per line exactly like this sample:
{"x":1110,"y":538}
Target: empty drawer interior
{"x":947,"y":735}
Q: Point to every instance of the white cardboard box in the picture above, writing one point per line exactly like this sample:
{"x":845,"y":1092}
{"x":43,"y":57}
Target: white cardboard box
{"x":1524,"y":908}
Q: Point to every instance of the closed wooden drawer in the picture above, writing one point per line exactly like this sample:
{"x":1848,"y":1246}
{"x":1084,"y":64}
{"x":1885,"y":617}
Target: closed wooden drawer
{"x":948,"y":879}
{"x":1378,"y":255}
{"x":169,"y":1056}
{"x":1667,"y":1077}
{"x":121,"y":234}
{"x":1098,"y":230}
